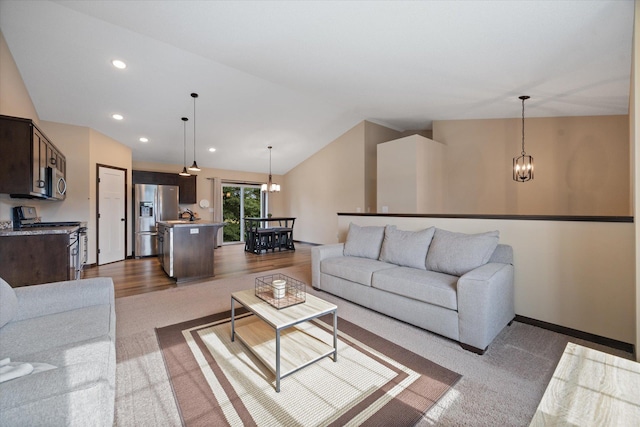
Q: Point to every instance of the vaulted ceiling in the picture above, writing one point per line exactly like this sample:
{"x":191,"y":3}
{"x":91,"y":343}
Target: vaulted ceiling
{"x":297,"y":74}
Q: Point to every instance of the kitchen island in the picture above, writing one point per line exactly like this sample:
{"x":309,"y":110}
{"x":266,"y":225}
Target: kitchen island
{"x":186,"y":248}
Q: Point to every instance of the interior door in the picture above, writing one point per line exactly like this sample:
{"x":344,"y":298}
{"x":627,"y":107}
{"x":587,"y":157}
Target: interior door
{"x":111,"y":215}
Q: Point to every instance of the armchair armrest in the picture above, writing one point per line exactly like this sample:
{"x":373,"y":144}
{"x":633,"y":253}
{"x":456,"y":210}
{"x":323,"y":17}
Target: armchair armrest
{"x":57,"y":297}
{"x":318,"y":253}
{"x":485,"y":303}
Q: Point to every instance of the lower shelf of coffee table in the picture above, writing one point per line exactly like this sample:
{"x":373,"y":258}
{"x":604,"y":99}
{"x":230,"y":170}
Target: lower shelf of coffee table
{"x":300,"y":345}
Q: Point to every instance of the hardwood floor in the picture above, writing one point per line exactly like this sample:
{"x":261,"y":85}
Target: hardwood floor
{"x":138,"y":276}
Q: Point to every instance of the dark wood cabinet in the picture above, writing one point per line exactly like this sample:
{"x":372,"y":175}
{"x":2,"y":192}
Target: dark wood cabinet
{"x":187,"y":184}
{"x":25,"y":154}
{"x":192,"y":252}
{"x":35,"y":259}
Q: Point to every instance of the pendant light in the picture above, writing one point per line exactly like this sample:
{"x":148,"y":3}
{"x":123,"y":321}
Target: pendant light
{"x":523,"y":164}
{"x":184,"y":167}
{"x":194,"y":167}
{"x":270,"y":186}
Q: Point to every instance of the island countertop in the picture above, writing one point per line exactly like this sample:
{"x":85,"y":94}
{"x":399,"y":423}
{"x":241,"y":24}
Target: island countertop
{"x":187,"y":223}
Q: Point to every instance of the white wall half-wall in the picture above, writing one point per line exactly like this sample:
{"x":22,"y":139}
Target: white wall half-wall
{"x":576,"y":274}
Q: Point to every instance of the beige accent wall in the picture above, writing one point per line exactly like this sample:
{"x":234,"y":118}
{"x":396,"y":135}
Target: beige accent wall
{"x":410,"y":175}
{"x":581,"y":166}
{"x":204,"y":186}
{"x":73,"y":141}
{"x":338,"y":178}
{"x":14,"y":101}
{"x":634,"y":114}
{"x":14,"y":97}
{"x":108,"y":152}
{"x":84,"y":148}
{"x":374,"y":134}
{"x":575,"y":274}
{"x":330,"y":181}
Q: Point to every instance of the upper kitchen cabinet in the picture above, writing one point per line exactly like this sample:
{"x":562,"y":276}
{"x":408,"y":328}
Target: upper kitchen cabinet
{"x":187,"y":189}
{"x":187,"y":184}
{"x":30,"y":165}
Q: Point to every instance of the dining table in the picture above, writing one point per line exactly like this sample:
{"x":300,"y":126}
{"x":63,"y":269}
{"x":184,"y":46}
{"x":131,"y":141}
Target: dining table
{"x":268,"y":234}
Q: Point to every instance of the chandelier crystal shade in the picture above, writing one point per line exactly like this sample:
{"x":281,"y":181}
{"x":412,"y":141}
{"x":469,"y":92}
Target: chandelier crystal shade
{"x":194,"y":167}
{"x":184,"y":160}
{"x":270,"y":186}
{"x":523,"y":164}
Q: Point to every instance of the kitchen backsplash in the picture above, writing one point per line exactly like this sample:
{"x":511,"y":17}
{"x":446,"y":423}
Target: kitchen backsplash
{"x":5,"y":225}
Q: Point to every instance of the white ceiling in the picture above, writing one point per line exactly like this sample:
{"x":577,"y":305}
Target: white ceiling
{"x":297,"y":74}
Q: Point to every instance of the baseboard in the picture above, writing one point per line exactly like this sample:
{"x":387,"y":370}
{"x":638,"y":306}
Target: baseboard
{"x":609,"y":342}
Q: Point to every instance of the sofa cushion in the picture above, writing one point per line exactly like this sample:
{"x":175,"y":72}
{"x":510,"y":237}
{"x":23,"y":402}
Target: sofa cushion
{"x":458,"y":253}
{"x":364,"y":242}
{"x":74,"y":395}
{"x":422,"y":285}
{"x":354,"y":269}
{"x":406,"y":248}
{"x":8,"y":303}
{"x":54,"y":330}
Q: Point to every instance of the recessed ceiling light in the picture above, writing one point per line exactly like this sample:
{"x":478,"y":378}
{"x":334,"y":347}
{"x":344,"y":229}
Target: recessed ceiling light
{"x":119,"y":64}
{"x":118,"y":116}
{"x":212,"y":149}
{"x":143,"y":139}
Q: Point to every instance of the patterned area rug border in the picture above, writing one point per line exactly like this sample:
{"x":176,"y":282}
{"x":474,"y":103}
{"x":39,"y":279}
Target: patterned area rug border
{"x":199,"y":406}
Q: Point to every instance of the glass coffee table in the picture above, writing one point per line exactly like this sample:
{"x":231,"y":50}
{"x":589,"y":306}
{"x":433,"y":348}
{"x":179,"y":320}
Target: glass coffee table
{"x":284,"y":340}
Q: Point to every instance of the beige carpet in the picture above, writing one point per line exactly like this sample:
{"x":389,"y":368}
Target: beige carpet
{"x":374,"y":382}
{"x":503,"y":387}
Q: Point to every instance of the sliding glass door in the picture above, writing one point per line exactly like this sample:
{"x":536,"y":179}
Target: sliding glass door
{"x":239,"y":201}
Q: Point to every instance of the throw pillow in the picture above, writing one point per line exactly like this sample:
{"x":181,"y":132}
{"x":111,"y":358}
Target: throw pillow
{"x":458,"y":253}
{"x":406,"y":248}
{"x":363,"y":242}
{"x":8,"y":303}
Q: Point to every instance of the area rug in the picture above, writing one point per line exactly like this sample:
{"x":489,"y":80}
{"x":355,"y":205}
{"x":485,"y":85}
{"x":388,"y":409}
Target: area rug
{"x":374,"y":382}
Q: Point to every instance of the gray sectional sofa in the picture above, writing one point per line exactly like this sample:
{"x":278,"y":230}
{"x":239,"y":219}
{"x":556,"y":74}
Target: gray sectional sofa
{"x":61,"y":338}
{"x":454,"y":284}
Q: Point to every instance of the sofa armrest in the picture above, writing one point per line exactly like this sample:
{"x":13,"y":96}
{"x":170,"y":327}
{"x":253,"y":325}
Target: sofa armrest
{"x":318,"y":253}
{"x":485,"y":303}
{"x":57,"y":297}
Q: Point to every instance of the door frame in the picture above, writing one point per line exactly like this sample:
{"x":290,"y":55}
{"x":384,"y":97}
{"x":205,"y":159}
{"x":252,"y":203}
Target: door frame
{"x":242,"y":185}
{"x":126,"y":209}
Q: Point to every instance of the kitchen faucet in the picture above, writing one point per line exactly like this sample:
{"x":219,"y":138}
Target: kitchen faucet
{"x":192,"y":217}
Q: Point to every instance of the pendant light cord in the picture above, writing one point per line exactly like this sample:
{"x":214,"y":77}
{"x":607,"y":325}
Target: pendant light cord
{"x":184,"y":138}
{"x":523,"y":152}
{"x":195,"y":95}
{"x":270,"y":182}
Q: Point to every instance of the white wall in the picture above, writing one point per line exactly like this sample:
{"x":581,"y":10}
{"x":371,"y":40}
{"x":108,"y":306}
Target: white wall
{"x":580,"y":275}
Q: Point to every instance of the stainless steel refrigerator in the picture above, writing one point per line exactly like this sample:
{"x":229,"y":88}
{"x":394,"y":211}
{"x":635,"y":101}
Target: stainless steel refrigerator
{"x":153,"y":203}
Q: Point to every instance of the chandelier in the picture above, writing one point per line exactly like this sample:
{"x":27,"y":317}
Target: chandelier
{"x":270,"y":186}
{"x":523,"y":164}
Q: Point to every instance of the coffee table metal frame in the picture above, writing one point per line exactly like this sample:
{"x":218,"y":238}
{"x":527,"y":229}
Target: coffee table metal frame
{"x":282,"y":319}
